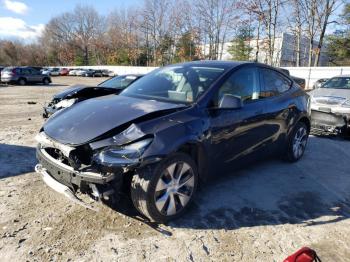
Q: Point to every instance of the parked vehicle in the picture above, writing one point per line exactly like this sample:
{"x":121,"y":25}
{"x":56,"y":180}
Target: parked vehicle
{"x":77,"y":94}
{"x":55,"y":71}
{"x":93,"y":73}
{"x":23,"y":75}
{"x":73,"y":72}
{"x":64,"y":71}
{"x":45,"y":71}
{"x":108,"y":73}
{"x":330,"y":106}
{"x":170,"y":130}
{"x":319,"y":83}
{"x":80,"y":72}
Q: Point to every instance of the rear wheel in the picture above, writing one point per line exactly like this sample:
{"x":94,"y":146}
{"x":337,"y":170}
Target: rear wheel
{"x":163,"y":192}
{"x":46,"y":81}
{"x":22,"y":82}
{"x":297,"y":142}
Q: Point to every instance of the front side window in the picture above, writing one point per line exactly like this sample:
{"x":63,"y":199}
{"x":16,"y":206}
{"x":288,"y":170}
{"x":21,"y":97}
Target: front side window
{"x":175,"y":83}
{"x":244,"y":83}
{"x":274,"y":83}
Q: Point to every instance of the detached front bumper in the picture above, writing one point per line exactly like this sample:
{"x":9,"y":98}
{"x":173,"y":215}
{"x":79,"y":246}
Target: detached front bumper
{"x":330,"y":122}
{"x":60,"y":188}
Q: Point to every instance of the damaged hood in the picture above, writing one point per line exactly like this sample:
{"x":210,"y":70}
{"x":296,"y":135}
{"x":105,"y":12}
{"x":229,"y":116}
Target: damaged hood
{"x":68,"y":92}
{"x":95,"y":117}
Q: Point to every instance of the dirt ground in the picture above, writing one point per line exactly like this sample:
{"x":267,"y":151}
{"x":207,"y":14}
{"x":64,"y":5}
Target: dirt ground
{"x":263,"y":213}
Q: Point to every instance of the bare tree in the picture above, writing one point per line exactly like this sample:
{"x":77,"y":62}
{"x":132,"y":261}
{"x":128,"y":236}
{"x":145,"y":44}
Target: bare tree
{"x":296,"y":22}
{"x":325,"y":9}
{"x":79,"y":28}
{"x":216,"y":19}
{"x":268,"y":14}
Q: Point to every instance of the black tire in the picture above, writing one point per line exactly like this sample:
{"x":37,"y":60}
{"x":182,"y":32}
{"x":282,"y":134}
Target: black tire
{"x":291,"y":154}
{"x":46,"y":81}
{"x":22,"y":82}
{"x":144,"y":183}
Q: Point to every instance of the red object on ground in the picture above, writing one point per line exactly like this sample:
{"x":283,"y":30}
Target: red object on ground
{"x":304,"y":254}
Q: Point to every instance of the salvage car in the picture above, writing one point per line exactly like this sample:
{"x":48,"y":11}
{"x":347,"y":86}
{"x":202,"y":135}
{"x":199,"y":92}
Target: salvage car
{"x":330,"y":105}
{"x":171,"y":130}
{"x":80,"y":93}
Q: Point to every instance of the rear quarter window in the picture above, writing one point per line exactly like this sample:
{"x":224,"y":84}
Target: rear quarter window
{"x":273,"y":82}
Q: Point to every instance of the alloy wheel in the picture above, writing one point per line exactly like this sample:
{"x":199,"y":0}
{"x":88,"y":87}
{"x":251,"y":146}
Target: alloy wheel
{"x":174,"y":188}
{"x":299,"y":142}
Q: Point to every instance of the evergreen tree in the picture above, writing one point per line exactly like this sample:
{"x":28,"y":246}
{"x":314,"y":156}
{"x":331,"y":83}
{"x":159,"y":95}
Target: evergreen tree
{"x":240,"y":48}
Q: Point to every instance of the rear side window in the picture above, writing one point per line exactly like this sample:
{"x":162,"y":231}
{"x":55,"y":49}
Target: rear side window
{"x":274,"y":83}
{"x":244,"y":83}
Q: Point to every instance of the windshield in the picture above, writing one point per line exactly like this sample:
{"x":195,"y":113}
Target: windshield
{"x":175,"y":83}
{"x":119,"y":82}
{"x":338,"y":82}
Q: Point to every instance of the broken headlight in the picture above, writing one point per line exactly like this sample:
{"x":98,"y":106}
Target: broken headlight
{"x":122,"y":155}
{"x":65,"y":103}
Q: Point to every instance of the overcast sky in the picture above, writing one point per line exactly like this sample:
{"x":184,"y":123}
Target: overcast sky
{"x":25,"y":19}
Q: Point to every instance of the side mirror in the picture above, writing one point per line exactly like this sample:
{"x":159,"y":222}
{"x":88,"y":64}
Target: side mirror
{"x":230,"y":102}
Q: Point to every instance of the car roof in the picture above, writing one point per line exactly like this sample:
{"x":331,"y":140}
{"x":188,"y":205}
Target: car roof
{"x":219,"y":63}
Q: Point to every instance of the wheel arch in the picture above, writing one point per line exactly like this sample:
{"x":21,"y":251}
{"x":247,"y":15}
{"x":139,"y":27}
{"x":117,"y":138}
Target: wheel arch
{"x":306,"y":121}
{"x":196,"y":151}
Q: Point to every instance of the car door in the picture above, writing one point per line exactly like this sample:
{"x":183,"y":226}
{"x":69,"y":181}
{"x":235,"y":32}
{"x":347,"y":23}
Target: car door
{"x":25,"y":72}
{"x":35,"y":75}
{"x":280,"y":107}
{"x":236,"y":133}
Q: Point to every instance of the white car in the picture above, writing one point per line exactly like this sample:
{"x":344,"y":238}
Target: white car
{"x":330,"y":106}
{"x":80,"y":72}
{"x":72,"y":72}
{"x":54,"y":71}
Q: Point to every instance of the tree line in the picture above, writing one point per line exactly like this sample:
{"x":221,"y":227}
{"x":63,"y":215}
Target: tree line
{"x":161,"y":32}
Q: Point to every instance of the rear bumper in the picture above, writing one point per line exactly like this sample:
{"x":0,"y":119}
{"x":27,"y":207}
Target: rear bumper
{"x":330,"y":122}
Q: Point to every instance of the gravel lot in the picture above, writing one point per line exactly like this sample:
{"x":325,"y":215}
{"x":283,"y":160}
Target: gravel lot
{"x":263,"y":213}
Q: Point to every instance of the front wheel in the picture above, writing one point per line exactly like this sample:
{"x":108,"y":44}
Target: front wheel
{"x":163,"y":192}
{"x":297,"y":142}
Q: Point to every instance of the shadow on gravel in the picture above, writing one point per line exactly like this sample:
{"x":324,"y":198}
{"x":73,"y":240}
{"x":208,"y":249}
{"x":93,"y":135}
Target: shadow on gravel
{"x":16,"y":160}
{"x":312,"y":191}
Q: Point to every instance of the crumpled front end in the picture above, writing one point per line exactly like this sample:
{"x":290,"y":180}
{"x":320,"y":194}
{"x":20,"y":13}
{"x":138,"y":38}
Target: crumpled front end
{"x":330,"y":114}
{"x":97,"y":169}
{"x":329,"y":122}
{"x":73,"y":169}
